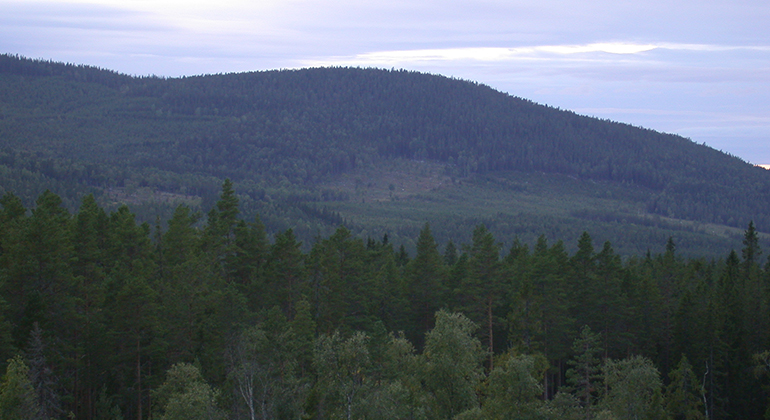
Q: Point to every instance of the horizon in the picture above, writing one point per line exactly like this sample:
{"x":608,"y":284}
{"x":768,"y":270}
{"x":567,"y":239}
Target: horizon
{"x":692,"y":69}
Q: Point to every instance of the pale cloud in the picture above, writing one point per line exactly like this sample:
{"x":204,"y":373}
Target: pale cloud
{"x":540,"y":52}
{"x":607,"y":47}
{"x":481,"y":53}
{"x":712,"y":48}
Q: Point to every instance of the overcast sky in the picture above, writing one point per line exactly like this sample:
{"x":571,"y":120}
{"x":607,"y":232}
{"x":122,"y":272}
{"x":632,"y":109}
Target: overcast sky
{"x":698,"y":68}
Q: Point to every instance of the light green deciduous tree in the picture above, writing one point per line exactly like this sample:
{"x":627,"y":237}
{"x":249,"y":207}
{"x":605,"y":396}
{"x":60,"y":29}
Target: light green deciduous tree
{"x":17,"y":396}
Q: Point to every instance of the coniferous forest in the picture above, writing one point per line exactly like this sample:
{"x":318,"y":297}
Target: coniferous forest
{"x":381,"y":151}
{"x":212,"y":317}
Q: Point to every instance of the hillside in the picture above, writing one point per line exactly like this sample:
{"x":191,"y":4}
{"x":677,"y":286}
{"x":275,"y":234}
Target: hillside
{"x":383,"y":151}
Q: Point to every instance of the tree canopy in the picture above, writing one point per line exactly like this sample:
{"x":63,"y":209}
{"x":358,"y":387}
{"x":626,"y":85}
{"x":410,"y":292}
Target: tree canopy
{"x":285,"y":137}
{"x":104,"y":318}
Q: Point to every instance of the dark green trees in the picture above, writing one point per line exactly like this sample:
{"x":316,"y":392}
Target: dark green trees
{"x":425,"y":278}
{"x":340,"y":287}
{"x":482,"y":289}
{"x":685,"y":392}
{"x":286,"y":274}
{"x":218,"y":318}
{"x":584,"y":376}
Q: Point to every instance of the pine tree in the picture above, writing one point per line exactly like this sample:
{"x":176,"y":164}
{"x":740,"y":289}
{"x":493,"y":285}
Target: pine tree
{"x":223,"y":218}
{"x":669,"y":274}
{"x":552,"y":292}
{"x":611,"y":302}
{"x":220,"y":238}
{"x":523,"y":312}
{"x":134,"y":332}
{"x":303,"y":336}
{"x":181,"y":242}
{"x":286,"y":273}
{"x":751,"y":250}
{"x":12,"y":221}
{"x":755,"y":294}
{"x":650,"y":332}
{"x":583,"y":277}
{"x":739,"y":386}
{"x":450,"y":254}
{"x":341,"y":290}
{"x":188,"y":291}
{"x":42,"y":268}
{"x":248,"y":264}
{"x":90,"y":270}
{"x":13,"y":208}
{"x":425,"y":277}
{"x":482,"y":289}
{"x":389,"y":300}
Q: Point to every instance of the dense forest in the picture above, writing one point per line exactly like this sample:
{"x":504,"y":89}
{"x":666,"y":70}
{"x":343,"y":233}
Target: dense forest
{"x":212,"y":317}
{"x":283,"y":136}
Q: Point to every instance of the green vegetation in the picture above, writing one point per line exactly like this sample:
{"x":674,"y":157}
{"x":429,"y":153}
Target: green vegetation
{"x":381,"y":151}
{"x":104,"y":318}
{"x":369,"y":244}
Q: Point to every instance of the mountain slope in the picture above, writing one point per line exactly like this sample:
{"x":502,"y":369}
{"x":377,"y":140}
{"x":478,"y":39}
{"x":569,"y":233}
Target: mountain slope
{"x":287,"y":137}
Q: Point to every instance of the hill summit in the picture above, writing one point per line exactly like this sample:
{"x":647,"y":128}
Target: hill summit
{"x":313,"y":147}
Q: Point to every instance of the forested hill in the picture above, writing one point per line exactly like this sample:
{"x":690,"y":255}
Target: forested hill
{"x":283,"y":135}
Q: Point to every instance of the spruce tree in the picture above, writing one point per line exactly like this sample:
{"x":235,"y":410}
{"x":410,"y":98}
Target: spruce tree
{"x":684,"y":393}
{"x":584,"y":378}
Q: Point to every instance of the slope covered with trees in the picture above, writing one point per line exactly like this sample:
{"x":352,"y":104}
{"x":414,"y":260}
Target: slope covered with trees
{"x":283,"y":135}
{"x":104,"y":318}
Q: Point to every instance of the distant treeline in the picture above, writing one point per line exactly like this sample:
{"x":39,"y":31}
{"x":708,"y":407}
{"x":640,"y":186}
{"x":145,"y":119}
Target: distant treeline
{"x":104,"y":318}
{"x":280,"y":133}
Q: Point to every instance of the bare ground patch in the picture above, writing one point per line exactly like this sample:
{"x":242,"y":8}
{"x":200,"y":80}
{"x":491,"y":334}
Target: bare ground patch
{"x":393,"y":181}
{"x":149,"y":195}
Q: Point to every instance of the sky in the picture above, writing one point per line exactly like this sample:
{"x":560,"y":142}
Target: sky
{"x":697,"y":68}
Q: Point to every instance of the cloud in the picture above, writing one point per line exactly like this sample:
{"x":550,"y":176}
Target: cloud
{"x":499,"y":54}
{"x":538,"y":52}
{"x":55,"y":16}
{"x":712,"y":48}
{"x":567,"y":64}
{"x":480,"y":54}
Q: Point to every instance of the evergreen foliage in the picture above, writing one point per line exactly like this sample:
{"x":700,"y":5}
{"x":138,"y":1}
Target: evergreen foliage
{"x":282,"y":136}
{"x":221,"y":319}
